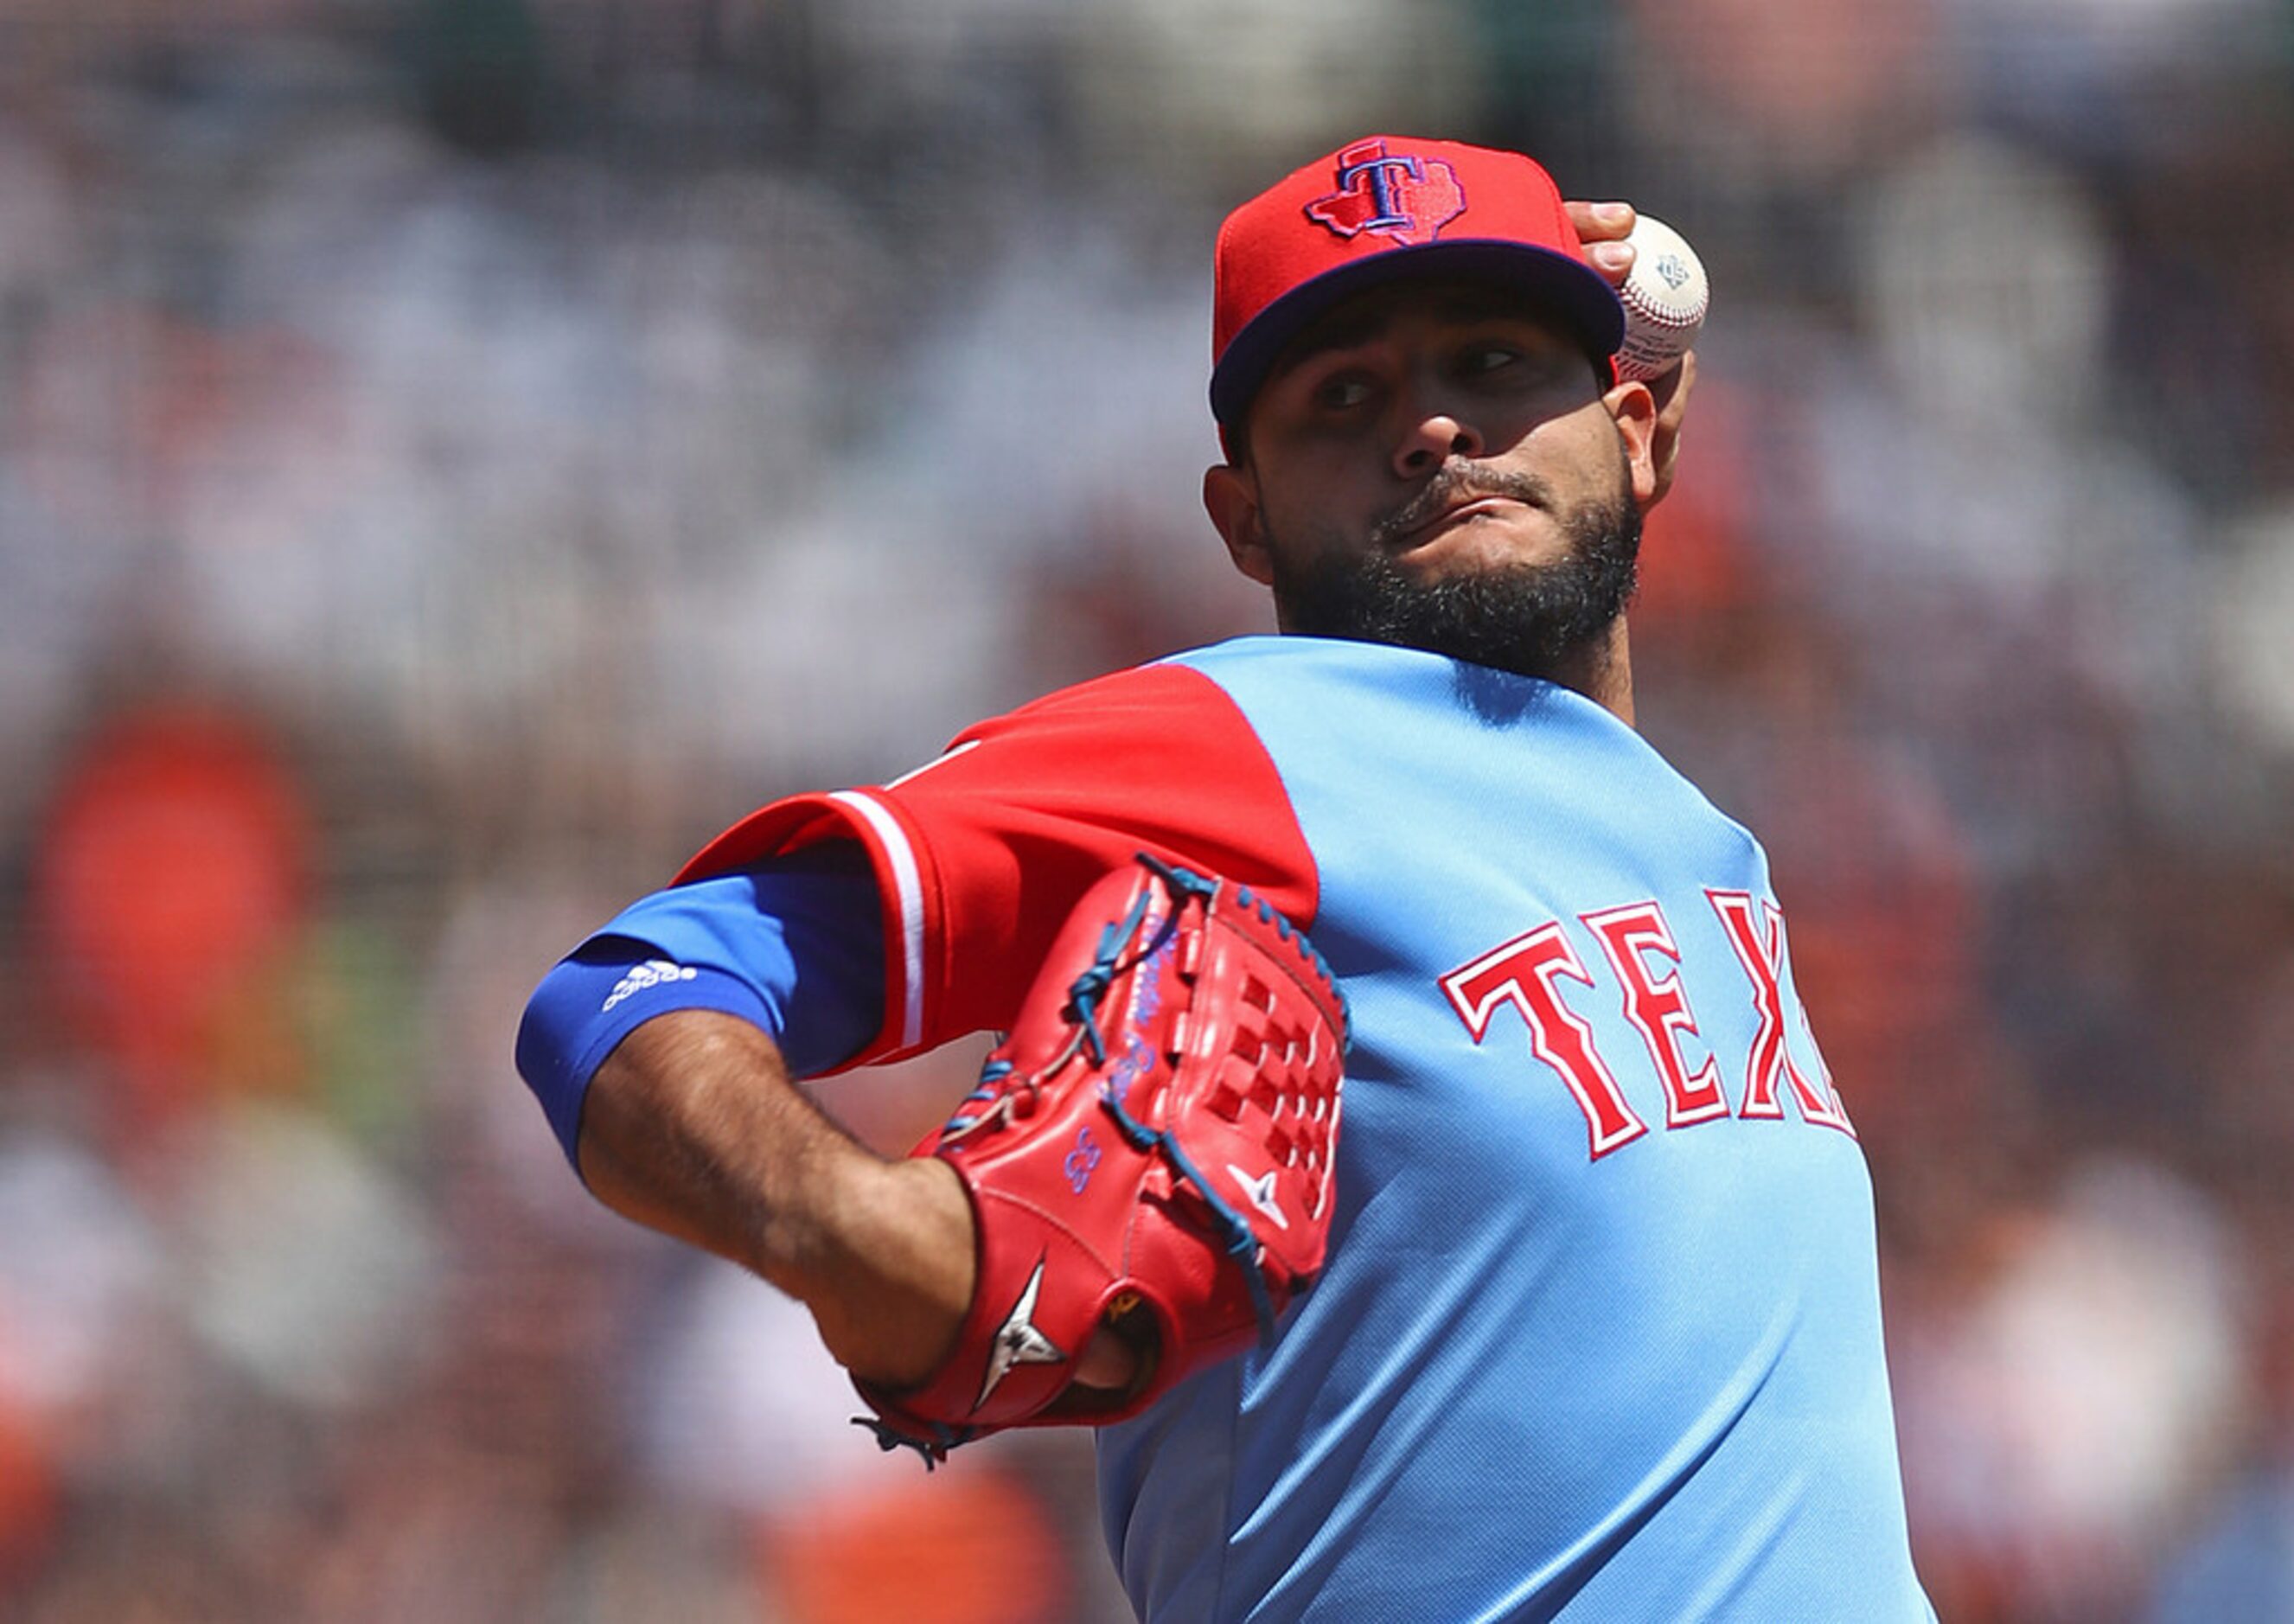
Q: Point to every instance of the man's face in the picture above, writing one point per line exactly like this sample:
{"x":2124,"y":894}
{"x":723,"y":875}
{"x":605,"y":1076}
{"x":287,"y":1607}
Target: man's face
{"x":1435,"y":466}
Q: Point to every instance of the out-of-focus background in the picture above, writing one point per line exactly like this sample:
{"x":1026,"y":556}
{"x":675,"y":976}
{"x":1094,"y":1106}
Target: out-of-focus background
{"x":455,"y":455}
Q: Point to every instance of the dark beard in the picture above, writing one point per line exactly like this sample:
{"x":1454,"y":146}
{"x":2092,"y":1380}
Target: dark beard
{"x":1530,"y":619}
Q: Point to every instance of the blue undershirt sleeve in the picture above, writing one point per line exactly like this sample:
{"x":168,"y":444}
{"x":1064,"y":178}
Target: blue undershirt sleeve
{"x":795,"y":946}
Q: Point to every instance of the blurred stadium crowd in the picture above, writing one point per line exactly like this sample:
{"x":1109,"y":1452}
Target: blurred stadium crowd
{"x":455,"y":455}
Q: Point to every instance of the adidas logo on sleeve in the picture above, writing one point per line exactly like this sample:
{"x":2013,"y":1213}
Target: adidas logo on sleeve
{"x":652,"y":973}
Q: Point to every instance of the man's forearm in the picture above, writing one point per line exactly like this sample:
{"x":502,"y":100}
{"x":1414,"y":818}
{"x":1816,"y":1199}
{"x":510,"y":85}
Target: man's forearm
{"x":693,"y":1126}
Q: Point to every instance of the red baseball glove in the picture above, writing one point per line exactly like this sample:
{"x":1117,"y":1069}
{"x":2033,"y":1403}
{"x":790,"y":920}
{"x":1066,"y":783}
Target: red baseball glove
{"x":1150,"y":1149}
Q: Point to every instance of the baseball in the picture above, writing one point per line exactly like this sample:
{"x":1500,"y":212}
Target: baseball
{"x":1664,"y":299}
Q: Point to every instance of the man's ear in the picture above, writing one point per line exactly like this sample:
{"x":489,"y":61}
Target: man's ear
{"x":1633,"y":409}
{"x":1230,"y":497}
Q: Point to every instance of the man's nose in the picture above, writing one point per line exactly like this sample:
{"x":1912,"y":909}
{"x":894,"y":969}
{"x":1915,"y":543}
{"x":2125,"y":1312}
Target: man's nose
{"x":1432,"y":433}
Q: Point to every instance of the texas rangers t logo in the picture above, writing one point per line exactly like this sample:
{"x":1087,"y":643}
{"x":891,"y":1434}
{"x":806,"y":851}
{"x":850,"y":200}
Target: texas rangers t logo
{"x":1403,"y":197}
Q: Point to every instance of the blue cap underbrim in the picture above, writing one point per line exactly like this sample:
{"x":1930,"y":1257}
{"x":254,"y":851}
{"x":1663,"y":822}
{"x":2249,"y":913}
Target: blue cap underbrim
{"x":1554,"y":283}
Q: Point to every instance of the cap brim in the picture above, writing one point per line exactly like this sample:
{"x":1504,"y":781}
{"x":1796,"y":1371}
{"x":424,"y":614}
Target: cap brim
{"x":1564,"y":288}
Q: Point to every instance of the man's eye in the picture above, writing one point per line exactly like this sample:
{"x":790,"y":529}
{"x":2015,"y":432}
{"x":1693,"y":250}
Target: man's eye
{"x":1491,"y":357}
{"x":1339,"y":394}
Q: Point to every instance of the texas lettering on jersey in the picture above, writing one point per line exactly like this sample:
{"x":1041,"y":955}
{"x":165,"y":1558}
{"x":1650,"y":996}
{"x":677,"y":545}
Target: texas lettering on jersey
{"x":1525,"y":973}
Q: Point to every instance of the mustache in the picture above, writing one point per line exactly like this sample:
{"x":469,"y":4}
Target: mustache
{"x":1454,"y":485}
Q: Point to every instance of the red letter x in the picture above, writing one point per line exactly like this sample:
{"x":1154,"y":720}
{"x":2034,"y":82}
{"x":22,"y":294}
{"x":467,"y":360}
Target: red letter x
{"x":1763,"y":953}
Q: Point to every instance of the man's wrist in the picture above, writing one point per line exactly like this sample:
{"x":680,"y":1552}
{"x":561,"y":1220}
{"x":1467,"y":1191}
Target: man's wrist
{"x":890,"y":1302}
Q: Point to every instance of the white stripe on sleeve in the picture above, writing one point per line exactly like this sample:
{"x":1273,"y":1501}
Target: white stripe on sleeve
{"x":907,"y":880}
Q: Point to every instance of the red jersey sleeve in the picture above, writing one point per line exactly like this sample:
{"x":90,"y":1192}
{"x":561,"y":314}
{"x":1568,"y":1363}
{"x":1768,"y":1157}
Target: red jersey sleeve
{"x":980,"y":855}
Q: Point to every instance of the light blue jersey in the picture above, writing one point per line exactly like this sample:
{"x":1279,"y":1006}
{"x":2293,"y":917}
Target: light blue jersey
{"x":1588,"y":1345}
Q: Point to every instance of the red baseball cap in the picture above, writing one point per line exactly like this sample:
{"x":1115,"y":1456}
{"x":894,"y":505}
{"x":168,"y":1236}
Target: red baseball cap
{"x":1379,"y":209}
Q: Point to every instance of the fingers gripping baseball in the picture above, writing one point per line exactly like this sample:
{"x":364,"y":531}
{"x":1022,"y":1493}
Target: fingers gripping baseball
{"x":1148,"y":1158}
{"x":1664,"y":303}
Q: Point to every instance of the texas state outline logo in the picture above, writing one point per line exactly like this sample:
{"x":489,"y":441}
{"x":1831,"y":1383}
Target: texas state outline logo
{"x":1399,"y":195}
